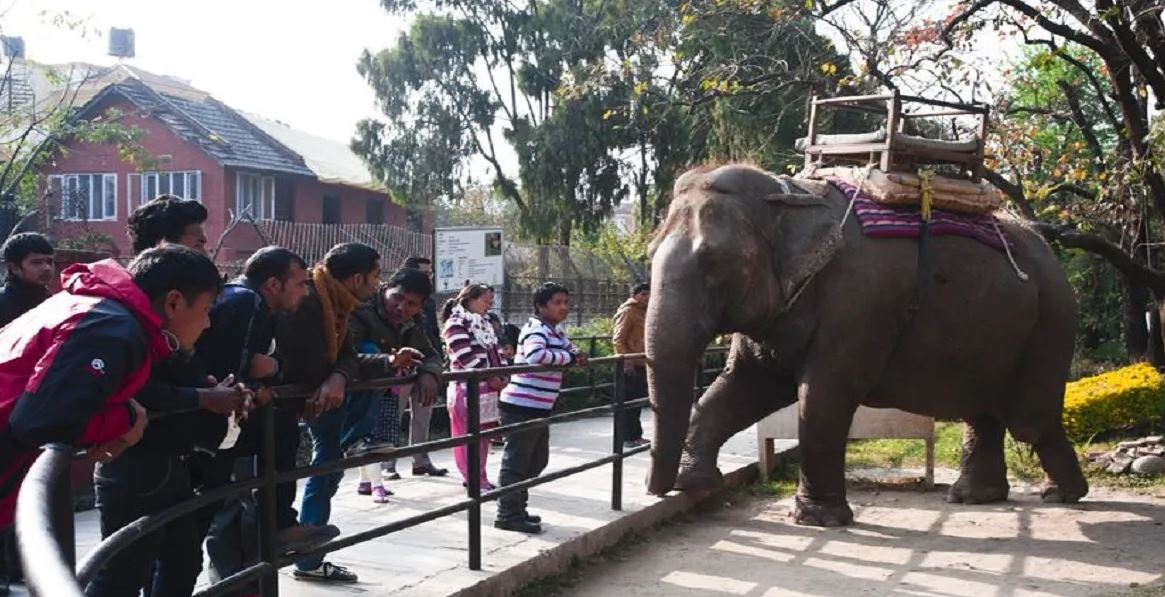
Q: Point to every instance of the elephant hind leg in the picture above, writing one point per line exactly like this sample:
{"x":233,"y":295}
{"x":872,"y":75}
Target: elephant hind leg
{"x":983,"y":472}
{"x":1064,"y":481}
{"x":741,"y":396}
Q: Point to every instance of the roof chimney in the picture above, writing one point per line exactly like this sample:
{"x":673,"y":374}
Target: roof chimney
{"x":13,"y":46}
{"x":121,"y":42}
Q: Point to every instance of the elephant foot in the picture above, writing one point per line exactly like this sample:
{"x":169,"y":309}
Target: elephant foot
{"x":695,"y":476}
{"x":967,"y":491}
{"x":1052,"y":493}
{"x":813,"y":513}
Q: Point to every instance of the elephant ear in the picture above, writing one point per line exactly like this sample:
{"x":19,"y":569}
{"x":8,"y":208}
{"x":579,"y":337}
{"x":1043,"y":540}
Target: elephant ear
{"x":806,"y":237}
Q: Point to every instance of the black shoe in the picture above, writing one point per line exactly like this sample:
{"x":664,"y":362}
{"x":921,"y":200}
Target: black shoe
{"x":328,"y":573}
{"x":4,"y":588}
{"x":430,"y":470}
{"x":520,"y":525}
{"x":534,"y":518}
{"x":390,"y":475}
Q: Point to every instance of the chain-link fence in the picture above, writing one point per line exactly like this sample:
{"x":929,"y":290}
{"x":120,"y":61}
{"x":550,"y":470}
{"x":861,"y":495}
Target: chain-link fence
{"x":598,"y":284}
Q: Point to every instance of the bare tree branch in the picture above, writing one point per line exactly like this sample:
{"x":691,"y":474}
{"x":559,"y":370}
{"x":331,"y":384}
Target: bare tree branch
{"x":1072,"y":238}
{"x":1013,"y":192}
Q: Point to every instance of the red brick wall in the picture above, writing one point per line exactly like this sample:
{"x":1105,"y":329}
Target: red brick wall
{"x":159,"y":142}
{"x":309,"y":203}
{"x":218,"y":189}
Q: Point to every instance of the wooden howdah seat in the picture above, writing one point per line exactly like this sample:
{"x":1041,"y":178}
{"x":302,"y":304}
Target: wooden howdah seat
{"x":890,"y":148}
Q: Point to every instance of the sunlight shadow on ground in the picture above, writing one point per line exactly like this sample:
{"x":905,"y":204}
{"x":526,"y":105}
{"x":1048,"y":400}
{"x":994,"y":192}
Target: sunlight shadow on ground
{"x":904,"y":543}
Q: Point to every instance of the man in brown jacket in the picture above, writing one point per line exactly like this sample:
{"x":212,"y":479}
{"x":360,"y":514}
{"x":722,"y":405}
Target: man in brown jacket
{"x":628,"y":337}
{"x":317,"y":351}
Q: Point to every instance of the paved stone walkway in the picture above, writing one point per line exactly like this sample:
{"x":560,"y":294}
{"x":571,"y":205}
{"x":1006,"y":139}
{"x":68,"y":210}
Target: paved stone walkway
{"x":431,"y":559}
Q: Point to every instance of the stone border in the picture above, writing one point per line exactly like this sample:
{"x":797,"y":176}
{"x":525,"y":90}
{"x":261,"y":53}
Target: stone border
{"x":559,"y":558}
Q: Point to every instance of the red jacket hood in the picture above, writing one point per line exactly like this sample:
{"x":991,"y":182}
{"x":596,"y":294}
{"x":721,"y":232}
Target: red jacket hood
{"x":108,"y":279}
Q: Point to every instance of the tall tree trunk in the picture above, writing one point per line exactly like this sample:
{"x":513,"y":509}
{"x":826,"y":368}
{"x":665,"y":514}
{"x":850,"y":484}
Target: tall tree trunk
{"x":1156,"y":352}
{"x":1136,"y":332}
{"x":564,"y":229}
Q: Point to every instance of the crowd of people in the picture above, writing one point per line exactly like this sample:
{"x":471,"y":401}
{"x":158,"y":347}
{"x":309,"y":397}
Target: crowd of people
{"x":162,"y":373}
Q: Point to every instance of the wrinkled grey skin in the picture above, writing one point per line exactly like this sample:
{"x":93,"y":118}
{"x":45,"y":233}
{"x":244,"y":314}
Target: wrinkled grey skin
{"x":984,"y":346}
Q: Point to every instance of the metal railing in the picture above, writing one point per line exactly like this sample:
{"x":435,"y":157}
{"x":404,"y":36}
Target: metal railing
{"x":44,"y":517}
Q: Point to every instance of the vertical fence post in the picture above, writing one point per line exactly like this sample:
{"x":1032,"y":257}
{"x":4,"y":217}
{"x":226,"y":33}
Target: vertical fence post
{"x":617,"y":437}
{"x":591,"y":370}
{"x":473,"y":454}
{"x":265,"y":467}
{"x":63,"y":511}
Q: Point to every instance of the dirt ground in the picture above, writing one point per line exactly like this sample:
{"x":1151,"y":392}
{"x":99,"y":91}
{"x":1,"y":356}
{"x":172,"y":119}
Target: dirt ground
{"x":904,"y":543}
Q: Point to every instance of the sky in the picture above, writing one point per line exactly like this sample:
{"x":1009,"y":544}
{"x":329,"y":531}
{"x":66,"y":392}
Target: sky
{"x":289,"y":60}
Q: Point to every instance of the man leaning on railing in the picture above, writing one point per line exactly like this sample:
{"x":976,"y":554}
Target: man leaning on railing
{"x":71,"y":365}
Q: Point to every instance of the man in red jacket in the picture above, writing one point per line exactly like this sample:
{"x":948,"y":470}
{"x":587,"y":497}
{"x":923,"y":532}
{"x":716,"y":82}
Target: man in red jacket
{"x":70,"y":367}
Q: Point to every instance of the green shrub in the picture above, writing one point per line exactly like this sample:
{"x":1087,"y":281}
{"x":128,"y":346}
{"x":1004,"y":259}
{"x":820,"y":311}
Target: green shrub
{"x":1121,"y":399}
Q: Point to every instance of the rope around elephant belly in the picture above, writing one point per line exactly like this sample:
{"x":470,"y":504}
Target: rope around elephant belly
{"x":1007,"y":249}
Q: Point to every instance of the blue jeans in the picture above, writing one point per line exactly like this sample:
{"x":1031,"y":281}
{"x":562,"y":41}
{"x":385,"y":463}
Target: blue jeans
{"x":332,"y":434}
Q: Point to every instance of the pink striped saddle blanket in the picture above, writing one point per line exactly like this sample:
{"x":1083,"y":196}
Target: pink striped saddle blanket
{"x":887,"y":221}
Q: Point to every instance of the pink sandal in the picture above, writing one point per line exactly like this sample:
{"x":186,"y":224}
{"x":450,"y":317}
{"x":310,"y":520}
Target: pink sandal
{"x":380,"y":494}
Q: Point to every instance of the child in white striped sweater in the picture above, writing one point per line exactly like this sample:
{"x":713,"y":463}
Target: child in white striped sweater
{"x":532,"y":396}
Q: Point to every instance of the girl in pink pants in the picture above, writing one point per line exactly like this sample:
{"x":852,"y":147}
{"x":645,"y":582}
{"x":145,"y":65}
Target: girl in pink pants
{"x":472,"y":344}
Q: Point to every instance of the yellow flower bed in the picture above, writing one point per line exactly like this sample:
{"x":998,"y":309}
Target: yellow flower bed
{"x":1112,"y":401}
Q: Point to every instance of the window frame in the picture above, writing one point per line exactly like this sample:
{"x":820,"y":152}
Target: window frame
{"x":101,"y":178}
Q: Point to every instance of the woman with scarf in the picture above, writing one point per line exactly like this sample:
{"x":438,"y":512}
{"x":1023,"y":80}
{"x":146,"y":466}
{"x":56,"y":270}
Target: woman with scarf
{"x":472,"y":344}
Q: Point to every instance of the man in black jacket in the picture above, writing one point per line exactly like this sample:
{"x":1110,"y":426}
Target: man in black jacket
{"x":29,"y":270}
{"x":28,"y":260}
{"x":242,"y":327}
{"x":190,"y":414}
{"x":420,"y":407}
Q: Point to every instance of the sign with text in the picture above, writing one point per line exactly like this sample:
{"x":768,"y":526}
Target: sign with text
{"x":463,"y":256}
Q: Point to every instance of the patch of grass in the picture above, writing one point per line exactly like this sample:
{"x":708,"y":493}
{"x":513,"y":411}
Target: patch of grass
{"x":898,"y":453}
{"x":1022,"y":463}
{"x":782,"y":483}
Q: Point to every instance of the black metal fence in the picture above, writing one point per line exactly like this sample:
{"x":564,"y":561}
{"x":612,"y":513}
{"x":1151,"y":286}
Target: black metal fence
{"x":44,"y":516}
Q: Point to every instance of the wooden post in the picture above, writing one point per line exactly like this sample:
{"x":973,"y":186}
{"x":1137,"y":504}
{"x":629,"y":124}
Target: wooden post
{"x":811,"y":139}
{"x":981,"y":151}
{"x":893,"y":106}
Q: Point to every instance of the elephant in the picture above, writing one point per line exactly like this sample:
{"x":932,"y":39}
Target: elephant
{"x":823,"y":316}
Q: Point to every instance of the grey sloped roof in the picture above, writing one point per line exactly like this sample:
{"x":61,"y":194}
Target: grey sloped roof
{"x":209,"y":124}
{"x":332,"y":161}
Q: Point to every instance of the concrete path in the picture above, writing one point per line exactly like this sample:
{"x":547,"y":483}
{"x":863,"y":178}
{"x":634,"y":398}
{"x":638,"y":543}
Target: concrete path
{"x":431,"y":559}
{"x":904,"y":543}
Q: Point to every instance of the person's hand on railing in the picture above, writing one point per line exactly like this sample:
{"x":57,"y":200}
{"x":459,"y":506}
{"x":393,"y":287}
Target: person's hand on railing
{"x":406,"y":357}
{"x":426,"y":389}
{"x":263,"y":367}
{"x":496,"y":383}
{"x":328,"y":396}
{"x":225,"y":398}
{"x":261,"y":396}
{"x":112,"y":449}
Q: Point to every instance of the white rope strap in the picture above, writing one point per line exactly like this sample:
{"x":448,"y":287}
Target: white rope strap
{"x":858,"y":191}
{"x":1007,"y":249}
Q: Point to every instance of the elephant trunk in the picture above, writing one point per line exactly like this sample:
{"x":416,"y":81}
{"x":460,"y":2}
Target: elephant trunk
{"x":675,"y":339}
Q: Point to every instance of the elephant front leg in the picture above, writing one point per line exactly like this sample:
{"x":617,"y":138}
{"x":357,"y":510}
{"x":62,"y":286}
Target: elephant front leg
{"x":824,"y":431}
{"x":983,"y":472}
{"x":738,"y":398}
